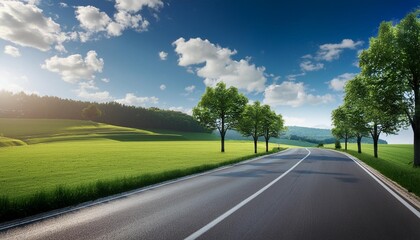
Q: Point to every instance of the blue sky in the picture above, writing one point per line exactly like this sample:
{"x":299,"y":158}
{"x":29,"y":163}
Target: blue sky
{"x":294,"y":56}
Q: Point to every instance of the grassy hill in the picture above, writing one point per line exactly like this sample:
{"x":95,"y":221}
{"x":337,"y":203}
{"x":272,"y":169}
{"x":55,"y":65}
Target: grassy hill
{"x":316,"y":135}
{"x":65,"y":162}
{"x":298,"y":136}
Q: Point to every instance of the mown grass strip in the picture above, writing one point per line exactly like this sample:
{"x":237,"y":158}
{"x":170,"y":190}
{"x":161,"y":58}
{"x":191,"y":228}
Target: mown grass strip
{"x":63,"y":196}
{"x":395,"y":162}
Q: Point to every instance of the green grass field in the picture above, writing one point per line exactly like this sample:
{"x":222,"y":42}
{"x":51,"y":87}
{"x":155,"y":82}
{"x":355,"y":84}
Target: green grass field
{"x":27,"y":169}
{"x":67,"y":162}
{"x":395,"y":161}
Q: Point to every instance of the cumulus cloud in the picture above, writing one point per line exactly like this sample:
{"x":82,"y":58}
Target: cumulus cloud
{"x":93,"y":20}
{"x":133,"y":100}
{"x":338,"y":83}
{"x":137,"y":5}
{"x":12,"y":51}
{"x":332,"y":51}
{"x":89,"y":91}
{"x":74,"y":67}
{"x":25,"y":25}
{"x":63,"y":4}
{"x":162,"y":87}
{"x":292,"y":94}
{"x":163,"y":55}
{"x":218,"y":65}
{"x":308,"y":66}
{"x":105,"y":80}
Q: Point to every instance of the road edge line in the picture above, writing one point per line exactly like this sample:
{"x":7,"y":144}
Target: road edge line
{"x":57,"y":212}
{"x":213,"y":223}
{"x":386,"y":186}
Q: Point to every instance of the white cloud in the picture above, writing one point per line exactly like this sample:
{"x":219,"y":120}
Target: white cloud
{"x":292,"y":94}
{"x":88,"y":90}
{"x":137,"y":5}
{"x":25,"y":25}
{"x":182,"y":109}
{"x":12,"y":51}
{"x":132,"y":100}
{"x":331,"y":51}
{"x":292,"y":77}
{"x":308,"y":66}
{"x":338,"y":83}
{"x":163,"y":55}
{"x":105,"y":80}
{"x":92,"y":19}
{"x":162,"y":87}
{"x":218,"y":65}
{"x":74,"y":68}
{"x":190,"y":89}
{"x":63,"y":4}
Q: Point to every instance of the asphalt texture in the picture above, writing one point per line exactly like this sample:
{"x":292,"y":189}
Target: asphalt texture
{"x":325,"y":196}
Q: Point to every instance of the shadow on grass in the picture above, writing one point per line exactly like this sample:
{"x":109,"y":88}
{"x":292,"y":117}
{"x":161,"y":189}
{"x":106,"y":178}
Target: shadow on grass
{"x":63,"y":196}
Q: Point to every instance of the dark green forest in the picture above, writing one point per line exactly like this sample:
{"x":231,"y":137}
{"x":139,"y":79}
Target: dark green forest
{"x":21,"y":105}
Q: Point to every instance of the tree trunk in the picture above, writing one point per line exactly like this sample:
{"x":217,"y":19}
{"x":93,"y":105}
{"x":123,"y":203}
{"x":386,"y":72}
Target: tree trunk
{"x":375,"y":140}
{"x":222,"y":135}
{"x":359,"y":144}
{"x":255,"y":144}
{"x":345,"y":142}
{"x":416,"y":162}
{"x":222,"y":139}
{"x":266,"y":144}
{"x":416,"y":123}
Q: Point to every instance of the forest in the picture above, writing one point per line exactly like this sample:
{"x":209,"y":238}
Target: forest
{"x":21,"y":105}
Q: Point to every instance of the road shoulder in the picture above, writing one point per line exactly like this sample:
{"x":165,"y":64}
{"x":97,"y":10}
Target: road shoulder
{"x":409,"y":197}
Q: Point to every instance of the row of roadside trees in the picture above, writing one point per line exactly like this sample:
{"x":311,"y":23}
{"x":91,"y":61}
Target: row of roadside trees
{"x":224,"y":108}
{"x":385,"y":96}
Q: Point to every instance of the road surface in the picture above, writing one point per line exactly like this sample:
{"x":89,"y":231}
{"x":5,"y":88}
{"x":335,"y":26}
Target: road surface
{"x":296,"y":194}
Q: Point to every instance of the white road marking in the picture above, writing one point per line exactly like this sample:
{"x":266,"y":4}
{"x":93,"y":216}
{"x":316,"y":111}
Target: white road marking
{"x":204,"y":229}
{"x":405,"y":203}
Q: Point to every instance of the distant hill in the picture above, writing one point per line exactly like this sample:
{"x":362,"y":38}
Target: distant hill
{"x":300,"y":136}
{"x":26,"y":106}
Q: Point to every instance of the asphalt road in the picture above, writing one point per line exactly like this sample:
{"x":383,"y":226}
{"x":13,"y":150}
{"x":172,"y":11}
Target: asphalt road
{"x":324,"y":196}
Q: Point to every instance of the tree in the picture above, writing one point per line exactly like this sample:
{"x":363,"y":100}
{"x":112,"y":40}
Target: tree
{"x":341,"y":122}
{"x":220,"y":108}
{"x":394,"y":56}
{"x":378,"y":104}
{"x":91,"y":112}
{"x":271,"y":124}
{"x":250,"y":122}
{"x":353,"y":102}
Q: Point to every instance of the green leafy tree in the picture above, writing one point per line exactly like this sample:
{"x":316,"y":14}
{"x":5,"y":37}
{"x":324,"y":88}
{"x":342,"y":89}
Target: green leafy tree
{"x":250,"y":122}
{"x":272,"y":124}
{"x":91,"y":112}
{"x":341,"y":122}
{"x":394,"y":57}
{"x":353,"y":102}
{"x":220,"y":108}
{"x":378,"y":106}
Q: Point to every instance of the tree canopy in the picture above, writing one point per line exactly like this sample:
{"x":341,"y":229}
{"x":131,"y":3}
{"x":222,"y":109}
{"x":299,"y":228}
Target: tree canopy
{"x":220,"y":108}
{"x":391,"y":65}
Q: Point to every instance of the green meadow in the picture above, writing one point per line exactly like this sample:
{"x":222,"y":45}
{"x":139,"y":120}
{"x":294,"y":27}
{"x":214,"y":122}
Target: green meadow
{"x":395,"y":161}
{"x":56,"y":163}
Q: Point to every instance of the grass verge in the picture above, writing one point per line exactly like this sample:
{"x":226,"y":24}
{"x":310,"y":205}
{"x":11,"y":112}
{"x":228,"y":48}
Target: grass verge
{"x":63,"y":196}
{"x":394,"y":162}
